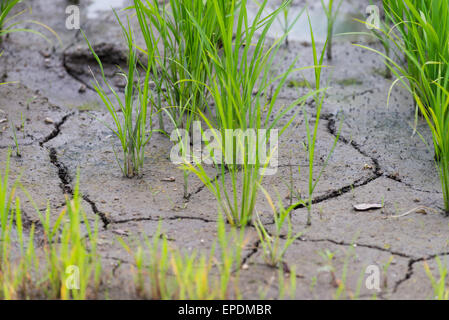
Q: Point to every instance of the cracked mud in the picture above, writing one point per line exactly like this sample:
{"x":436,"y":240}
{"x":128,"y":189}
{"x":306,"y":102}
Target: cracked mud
{"x":377,"y":159}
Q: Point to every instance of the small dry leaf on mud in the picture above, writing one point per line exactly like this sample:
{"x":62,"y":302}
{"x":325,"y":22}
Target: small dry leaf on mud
{"x":367,"y":206}
{"x":120,"y":232}
{"x":170,"y":179}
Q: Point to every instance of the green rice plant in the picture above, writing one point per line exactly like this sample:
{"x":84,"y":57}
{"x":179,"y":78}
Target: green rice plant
{"x":192,"y":273}
{"x":312,"y":131}
{"x":331,"y":11}
{"x":172,"y":274}
{"x":328,"y":256}
{"x":273,"y":248}
{"x":231,"y":245}
{"x":421,"y":33}
{"x":180,"y":68}
{"x":68,"y":252}
{"x":15,"y":271}
{"x":338,"y":282}
{"x":132,"y":115}
{"x":72,"y":266}
{"x":152,"y":265}
{"x":242,"y":108}
{"x":441,"y":292}
{"x":28,"y":272}
{"x":180,"y":71}
{"x":195,"y":276}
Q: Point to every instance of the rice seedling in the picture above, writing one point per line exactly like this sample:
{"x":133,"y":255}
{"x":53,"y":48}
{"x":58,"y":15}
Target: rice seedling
{"x":131,"y":126}
{"x":441,"y":292}
{"x":72,"y":266}
{"x":5,"y":8}
{"x":385,"y":267}
{"x":312,"y":131}
{"x":8,"y":25}
{"x":331,"y":11}
{"x":179,"y":71}
{"x":16,"y":273}
{"x":421,"y":33}
{"x":172,"y":274}
{"x":152,"y":263}
{"x":15,"y":267}
{"x":242,"y":107}
{"x":287,"y":284}
{"x":275,"y":245}
{"x":328,"y":257}
{"x":284,"y":20}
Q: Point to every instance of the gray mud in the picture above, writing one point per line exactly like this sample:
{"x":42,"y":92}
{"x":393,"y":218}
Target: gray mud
{"x":378,"y":159}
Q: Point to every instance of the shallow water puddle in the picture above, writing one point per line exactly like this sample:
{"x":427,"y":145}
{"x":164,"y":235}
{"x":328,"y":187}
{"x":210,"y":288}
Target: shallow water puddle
{"x":98,"y":6}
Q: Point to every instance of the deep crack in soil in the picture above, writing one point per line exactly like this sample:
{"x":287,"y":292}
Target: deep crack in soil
{"x":63,"y":171}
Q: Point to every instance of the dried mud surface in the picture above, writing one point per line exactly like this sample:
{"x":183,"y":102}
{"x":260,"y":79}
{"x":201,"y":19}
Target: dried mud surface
{"x":378,"y":158}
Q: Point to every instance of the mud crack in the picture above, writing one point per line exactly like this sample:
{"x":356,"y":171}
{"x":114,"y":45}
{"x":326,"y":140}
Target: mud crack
{"x":355,"y":245}
{"x":156,"y":219}
{"x":377,"y":172}
{"x":410,"y":269}
{"x":57,"y":130}
{"x":254,"y":250}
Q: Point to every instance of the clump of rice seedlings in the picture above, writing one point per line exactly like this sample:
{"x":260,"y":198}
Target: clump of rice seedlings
{"x":180,"y":72}
{"x":180,"y":68}
{"x":242,"y":107}
{"x":421,"y":33}
{"x":132,"y":117}
{"x":331,"y":11}
{"x":164,"y":272}
{"x":275,"y":245}
{"x":287,"y":285}
{"x":152,"y":265}
{"x":284,"y":20}
{"x":441,"y":292}
{"x":15,"y":267}
{"x":328,"y":257}
{"x":285,"y":25}
{"x":17,"y":273}
{"x":72,"y":265}
{"x":28,"y":272}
